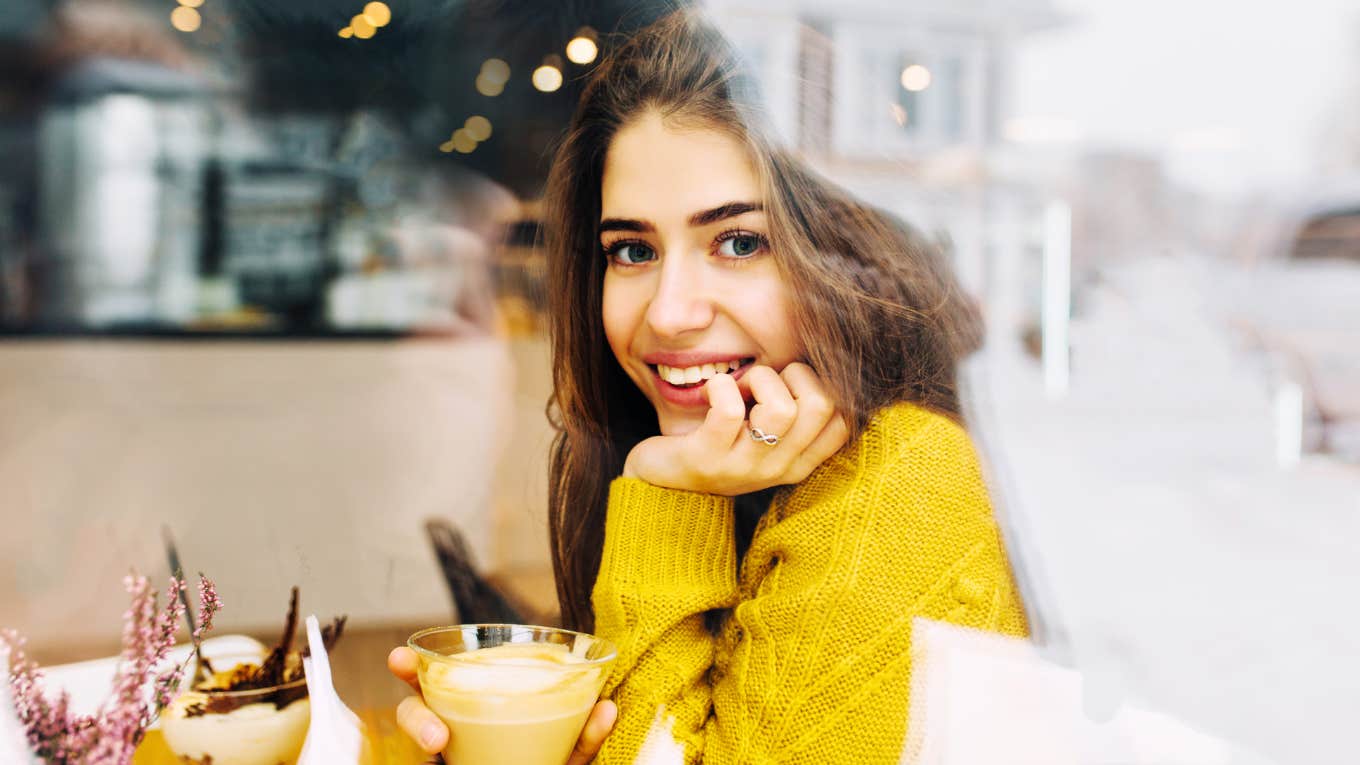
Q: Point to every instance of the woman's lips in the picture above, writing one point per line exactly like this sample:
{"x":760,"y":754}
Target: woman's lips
{"x":692,"y":396}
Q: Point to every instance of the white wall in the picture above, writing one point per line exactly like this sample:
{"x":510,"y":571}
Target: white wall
{"x":275,"y":464}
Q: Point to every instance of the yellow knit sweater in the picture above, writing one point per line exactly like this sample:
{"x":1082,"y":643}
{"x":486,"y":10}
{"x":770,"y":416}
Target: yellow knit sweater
{"x":813,"y":663}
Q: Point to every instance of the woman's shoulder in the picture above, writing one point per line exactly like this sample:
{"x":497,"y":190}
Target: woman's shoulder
{"x":904,"y":445}
{"x":906,"y":431}
{"x":911,"y":467}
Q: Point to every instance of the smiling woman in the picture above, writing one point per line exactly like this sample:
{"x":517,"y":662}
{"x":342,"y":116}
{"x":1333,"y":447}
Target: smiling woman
{"x":761,"y":477}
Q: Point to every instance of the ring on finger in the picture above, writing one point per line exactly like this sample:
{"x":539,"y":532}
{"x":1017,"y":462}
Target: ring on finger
{"x":767,"y":438}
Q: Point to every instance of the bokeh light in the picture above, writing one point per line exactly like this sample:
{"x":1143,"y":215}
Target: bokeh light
{"x":185,"y":19}
{"x":478,"y":127}
{"x":191,"y":3}
{"x":347,"y":32}
{"x":463,"y":143}
{"x":547,"y":78}
{"x":582,"y":50}
{"x":489,"y":87}
{"x":378,"y":14}
{"x":363,"y":28}
{"x":496,"y":71}
{"x":916,"y":78}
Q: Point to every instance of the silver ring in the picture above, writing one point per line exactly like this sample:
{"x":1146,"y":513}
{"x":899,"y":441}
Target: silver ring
{"x":759,"y":435}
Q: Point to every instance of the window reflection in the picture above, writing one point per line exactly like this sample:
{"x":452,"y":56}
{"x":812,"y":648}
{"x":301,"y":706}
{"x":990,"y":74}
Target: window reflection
{"x":1167,"y":394}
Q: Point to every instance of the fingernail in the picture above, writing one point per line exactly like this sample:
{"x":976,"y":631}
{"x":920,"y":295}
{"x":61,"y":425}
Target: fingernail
{"x":429,"y":735}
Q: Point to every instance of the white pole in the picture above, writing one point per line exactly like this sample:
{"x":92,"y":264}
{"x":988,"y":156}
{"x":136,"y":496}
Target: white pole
{"x":1057,"y":297}
{"x":1288,"y":425}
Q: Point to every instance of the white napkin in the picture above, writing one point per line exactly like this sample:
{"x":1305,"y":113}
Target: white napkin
{"x":335,"y":735}
{"x":13,"y":738}
{"x":982,"y":698}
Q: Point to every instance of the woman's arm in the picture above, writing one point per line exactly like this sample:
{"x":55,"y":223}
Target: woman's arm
{"x":669,"y":558}
{"x":814,"y":664}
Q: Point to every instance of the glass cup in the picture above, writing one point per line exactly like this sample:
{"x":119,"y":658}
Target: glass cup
{"x":510,"y":692}
{"x":261,"y":726}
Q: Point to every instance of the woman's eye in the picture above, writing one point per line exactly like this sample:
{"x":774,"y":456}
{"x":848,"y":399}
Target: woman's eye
{"x":631,"y":253}
{"x":741,"y":245}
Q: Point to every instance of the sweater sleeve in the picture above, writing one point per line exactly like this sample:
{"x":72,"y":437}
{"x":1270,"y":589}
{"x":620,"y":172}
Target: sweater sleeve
{"x":669,"y":557}
{"x":813,"y":665}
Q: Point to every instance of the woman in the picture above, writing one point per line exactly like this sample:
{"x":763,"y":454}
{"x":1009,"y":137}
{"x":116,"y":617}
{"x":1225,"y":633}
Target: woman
{"x":760,"y":477}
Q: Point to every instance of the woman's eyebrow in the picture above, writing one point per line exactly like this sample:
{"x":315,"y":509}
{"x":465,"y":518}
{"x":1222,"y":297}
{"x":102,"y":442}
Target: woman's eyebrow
{"x":701,"y":218}
{"x":723,"y":212}
{"x":626,"y":224}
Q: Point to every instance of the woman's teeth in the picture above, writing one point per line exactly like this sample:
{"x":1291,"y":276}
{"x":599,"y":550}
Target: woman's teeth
{"x":698,"y":374}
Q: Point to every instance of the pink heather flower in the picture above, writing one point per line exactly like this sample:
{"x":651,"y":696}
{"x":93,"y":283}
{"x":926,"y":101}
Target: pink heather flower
{"x":208,"y":605}
{"x":110,"y":736}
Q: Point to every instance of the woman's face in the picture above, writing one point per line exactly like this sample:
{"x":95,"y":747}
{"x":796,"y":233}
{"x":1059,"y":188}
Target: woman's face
{"x":692,"y":288}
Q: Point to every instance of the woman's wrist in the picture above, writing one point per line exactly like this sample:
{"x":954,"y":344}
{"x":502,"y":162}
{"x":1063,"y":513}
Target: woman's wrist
{"x":659,"y":537}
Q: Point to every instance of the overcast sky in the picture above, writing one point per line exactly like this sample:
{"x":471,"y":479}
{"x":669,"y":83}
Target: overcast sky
{"x":1231,"y":92}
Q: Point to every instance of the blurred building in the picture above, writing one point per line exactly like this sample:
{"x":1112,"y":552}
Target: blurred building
{"x":903,"y":104}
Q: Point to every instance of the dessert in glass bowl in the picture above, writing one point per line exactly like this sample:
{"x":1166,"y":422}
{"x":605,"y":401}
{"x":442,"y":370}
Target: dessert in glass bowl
{"x":249,"y":714}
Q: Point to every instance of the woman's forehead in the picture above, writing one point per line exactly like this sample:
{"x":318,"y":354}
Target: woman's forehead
{"x":660,"y":173}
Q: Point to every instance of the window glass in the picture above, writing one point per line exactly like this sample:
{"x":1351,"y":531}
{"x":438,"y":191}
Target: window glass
{"x":280,"y":287}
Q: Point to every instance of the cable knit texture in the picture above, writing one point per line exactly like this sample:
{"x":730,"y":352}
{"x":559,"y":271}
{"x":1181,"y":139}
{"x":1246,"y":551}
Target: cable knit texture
{"x":812,"y":664}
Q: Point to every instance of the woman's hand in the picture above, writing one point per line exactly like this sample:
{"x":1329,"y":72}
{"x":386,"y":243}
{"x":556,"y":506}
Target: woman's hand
{"x":722,"y":457}
{"x":418,"y":722}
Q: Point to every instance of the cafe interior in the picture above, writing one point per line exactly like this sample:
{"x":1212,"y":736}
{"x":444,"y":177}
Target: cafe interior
{"x":271,"y":296}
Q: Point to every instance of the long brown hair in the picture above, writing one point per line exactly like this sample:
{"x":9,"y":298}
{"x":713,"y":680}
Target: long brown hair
{"x":879,"y":312}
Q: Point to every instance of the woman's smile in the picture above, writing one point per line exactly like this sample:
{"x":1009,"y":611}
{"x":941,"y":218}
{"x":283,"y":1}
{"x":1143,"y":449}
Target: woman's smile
{"x":684,"y":386}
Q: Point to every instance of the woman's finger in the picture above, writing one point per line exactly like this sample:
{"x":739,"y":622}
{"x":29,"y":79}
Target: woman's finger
{"x":421,"y":724}
{"x":403,"y":662}
{"x":726,"y":415}
{"x":597,"y":729}
{"x":775,"y":409}
{"x":814,"y":406}
{"x":804,"y":383}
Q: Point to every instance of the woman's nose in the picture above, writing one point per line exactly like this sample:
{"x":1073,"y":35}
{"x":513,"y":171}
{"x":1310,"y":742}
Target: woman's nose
{"x":680,"y":303}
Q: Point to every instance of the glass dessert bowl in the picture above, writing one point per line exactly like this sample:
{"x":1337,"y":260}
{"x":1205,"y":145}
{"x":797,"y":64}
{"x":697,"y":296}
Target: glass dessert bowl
{"x":255,"y":713}
{"x":256,"y":726}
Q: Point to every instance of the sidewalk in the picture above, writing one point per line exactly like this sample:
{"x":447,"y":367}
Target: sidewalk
{"x":1176,"y":563}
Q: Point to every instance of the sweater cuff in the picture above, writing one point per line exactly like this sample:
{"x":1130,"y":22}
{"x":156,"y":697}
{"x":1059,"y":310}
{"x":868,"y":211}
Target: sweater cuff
{"x":669,"y":537}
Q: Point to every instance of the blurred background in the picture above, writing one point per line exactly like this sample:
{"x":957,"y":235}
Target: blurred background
{"x":270,"y":276}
